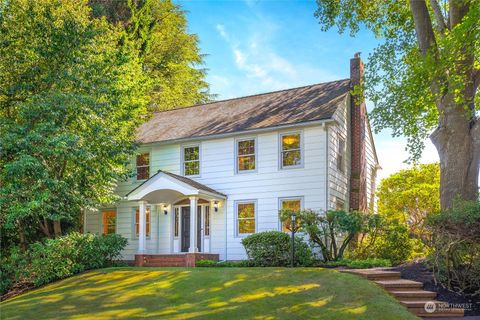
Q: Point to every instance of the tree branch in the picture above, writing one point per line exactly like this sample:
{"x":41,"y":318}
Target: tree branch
{"x":437,"y":12}
{"x":457,"y":10}
{"x":423,"y":25}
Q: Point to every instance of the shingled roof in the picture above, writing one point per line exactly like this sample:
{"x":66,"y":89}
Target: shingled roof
{"x":285,"y":107}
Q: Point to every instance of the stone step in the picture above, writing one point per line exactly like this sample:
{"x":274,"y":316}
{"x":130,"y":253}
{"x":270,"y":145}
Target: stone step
{"x":399,"y":284}
{"x":413,"y":295}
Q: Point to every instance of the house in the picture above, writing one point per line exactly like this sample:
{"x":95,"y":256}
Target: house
{"x":211,"y":174}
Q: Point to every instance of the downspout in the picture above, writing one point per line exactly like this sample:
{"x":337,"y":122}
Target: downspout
{"x":225,"y":214}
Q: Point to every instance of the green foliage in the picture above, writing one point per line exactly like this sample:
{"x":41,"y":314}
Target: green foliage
{"x":70,"y":100}
{"x":169,"y":54}
{"x":393,"y":243}
{"x":334,"y":231}
{"x":273,"y":248}
{"x":359,"y":263}
{"x":456,"y":247}
{"x":60,"y":258}
{"x":223,"y":264}
{"x":408,"y":86}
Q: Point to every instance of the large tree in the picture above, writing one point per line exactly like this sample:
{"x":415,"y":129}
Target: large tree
{"x":170,"y":55}
{"x":70,"y":101}
{"x":410,"y":196}
{"x":423,"y":78}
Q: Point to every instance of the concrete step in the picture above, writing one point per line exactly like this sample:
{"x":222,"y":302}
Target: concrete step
{"x":399,"y":284}
{"x":413,"y":295}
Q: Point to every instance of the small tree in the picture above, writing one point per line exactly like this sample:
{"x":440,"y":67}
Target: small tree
{"x":332,"y":232}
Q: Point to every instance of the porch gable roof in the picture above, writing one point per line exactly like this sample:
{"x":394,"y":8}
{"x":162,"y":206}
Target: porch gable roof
{"x":164,"y":180}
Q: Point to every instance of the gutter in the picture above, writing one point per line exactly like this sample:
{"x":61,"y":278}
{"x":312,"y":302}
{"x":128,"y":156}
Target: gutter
{"x":236,"y":133}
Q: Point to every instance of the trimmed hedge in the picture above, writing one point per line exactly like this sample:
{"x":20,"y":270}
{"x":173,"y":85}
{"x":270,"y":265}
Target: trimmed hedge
{"x":223,"y":264}
{"x":273,"y":249}
{"x":359,"y":263}
{"x":59,"y":258}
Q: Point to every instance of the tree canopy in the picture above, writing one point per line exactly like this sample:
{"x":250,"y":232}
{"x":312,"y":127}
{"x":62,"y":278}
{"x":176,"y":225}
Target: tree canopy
{"x":170,"y":55}
{"x":423,"y":78}
{"x":71,"y":99}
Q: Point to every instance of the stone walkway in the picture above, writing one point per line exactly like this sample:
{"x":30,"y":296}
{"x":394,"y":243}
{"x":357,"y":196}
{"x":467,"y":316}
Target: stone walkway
{"x":409,"y":293}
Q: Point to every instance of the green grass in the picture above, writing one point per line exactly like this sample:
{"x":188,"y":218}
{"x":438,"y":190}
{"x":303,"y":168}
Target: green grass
{"x":207,"y":293}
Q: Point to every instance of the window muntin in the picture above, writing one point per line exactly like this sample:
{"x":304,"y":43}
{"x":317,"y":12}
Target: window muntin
{"x":246,"y":223}
{"x":137,"y":222}
{"x":207,"y":221}
{"x":246,"y":160}
{"x":176,"y":222}
{"x":341,"y":155}
{"x":294,"y":204}
{"x":109,"y":221}
{"x":291,"y":151}
{"x":191,"y":160}
{"x":143,"y":166}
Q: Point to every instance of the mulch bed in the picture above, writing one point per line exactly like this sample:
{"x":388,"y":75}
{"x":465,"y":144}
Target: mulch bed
{"x":418,"y":271}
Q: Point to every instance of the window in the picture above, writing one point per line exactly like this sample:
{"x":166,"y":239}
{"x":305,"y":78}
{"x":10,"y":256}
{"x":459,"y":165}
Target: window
{"x":137,"y":222}
{"x":341,"y":155}
{"x":143,"y":166}
{"x":246,"y":155}
{"x":294,"y":204}
{"x":191,"y":161}
{"x":109,"y":221}
{"x":339,"y":204}
{"x":176,"y":222}
{"x":291,"y":153}
{"x":207,"y":221}
{"x":245,"y":218}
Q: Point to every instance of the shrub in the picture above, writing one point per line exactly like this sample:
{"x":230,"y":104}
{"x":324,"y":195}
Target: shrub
{"x":223,"y":264}
{"x":60,"y":258}
{"x":456,"y":247}
{"x":273,"y":248}
{"x":358,"y":263}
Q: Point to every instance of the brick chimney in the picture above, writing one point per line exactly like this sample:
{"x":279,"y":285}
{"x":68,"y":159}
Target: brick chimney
{"x":358,"y":174}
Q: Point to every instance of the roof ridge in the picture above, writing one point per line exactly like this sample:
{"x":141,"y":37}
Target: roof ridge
{"x":248,"y":96}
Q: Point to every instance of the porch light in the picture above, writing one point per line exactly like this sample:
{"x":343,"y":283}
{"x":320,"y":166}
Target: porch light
{"x":215,"y":206}
{"x":165,"y":212}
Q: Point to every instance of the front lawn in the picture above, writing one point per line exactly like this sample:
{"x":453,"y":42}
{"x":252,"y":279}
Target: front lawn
{"x":207,"y":293}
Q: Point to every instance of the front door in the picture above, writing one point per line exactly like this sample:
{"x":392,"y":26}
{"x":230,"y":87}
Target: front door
{"x":185,"y":229}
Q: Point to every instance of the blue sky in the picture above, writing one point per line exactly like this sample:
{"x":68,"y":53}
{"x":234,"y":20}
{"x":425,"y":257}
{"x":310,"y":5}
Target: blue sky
{"x":260,"y":46}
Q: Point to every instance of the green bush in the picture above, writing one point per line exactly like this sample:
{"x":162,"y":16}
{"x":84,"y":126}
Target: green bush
{"x":359,"y":263}
{"x":59,"y":258}
{"x":456,"y":247}
{"x":273,"y":248}
{"x":223,"y":264}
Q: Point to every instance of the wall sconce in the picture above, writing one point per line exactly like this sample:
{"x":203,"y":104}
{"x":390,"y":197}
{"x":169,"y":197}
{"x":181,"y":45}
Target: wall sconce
{"x":165,"y":212}
{"x":215,"y":206}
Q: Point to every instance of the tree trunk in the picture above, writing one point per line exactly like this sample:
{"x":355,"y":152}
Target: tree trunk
{"x":457,"y":139}
{"x":57,"y":228}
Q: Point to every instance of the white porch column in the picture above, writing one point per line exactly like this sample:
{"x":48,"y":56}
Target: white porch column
{"x":142,"y":222}
{"x":193,"y":224}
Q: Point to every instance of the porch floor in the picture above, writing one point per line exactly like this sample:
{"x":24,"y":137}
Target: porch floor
{"x":173,"y":260}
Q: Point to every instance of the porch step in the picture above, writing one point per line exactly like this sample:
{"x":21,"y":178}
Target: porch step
{"x":172,"y":260}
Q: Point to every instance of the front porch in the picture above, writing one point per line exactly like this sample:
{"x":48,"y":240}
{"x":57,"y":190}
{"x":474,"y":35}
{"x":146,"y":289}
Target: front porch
{"x":188,"y":205}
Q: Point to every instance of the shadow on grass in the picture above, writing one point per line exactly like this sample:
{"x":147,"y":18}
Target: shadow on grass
{"x":207,"y":293}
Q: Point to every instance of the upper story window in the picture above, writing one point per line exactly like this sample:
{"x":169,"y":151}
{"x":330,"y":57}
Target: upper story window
{"x":291,"y":150}
{"x":109,"y":221}
{"x":143,"y":166}
{"x":246,"y":160}
{"x":245,"y":216}
{"x":341,"y":155}
{"x":191,"y":160}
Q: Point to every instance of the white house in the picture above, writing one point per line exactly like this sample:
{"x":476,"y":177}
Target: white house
{"x":211,"y":174}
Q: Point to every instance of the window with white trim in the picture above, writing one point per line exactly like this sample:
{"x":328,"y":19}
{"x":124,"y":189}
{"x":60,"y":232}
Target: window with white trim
{"x":143,"y":166}
{"x":291,"y":150}
{"x":246,"y":160}
{"x":137,"y":222}
{"x":207,"y":221}
{"x":341,"y":155}
{"x":246,"y":217}
{"x":191,"y":160}
{"x":109,"y":221}
{"x":176,"y":222}
{"x":293,"y":204}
